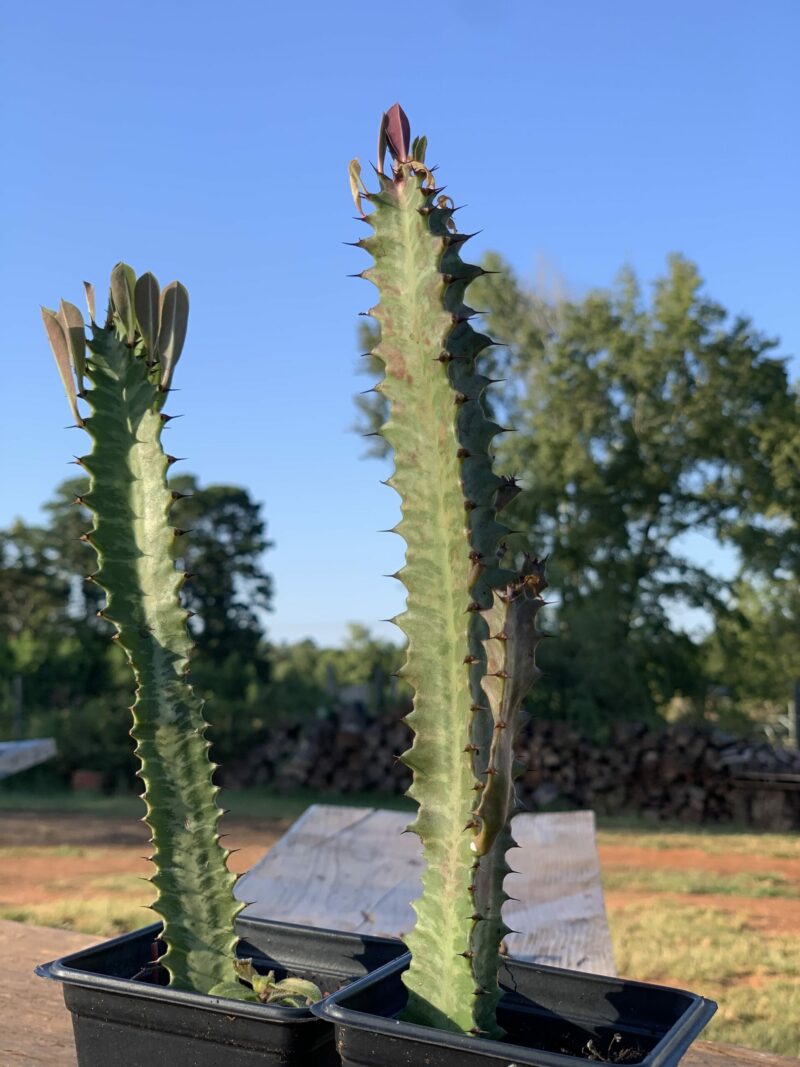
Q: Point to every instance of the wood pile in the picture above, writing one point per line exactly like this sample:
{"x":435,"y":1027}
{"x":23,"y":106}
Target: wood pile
{"x":685,"y":773}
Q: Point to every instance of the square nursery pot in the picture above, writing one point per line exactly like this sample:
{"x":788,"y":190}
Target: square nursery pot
{"x":553,"y":1018}
{"x":123,"y":1017}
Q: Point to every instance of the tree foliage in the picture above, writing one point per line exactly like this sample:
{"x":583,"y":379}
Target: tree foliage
{"x":642,"y":421}
{"x":60,"y":672}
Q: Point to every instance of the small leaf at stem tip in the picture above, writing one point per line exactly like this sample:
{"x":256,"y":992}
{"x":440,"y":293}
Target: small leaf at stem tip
{"x":172,"y":332}
{"x":123,"y":283}
{"x":58,"y":343}
{"x":357,"y":187}
{"x":418,"y":150}
{"x":72,"y":324}
{"x":88,"y":289}
{"x":381,"y":145}
{"x":398,"y":133}
{"x":148,"y":312}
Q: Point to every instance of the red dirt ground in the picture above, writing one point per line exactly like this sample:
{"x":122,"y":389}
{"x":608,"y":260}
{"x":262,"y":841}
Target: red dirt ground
{"x":29,"y":879}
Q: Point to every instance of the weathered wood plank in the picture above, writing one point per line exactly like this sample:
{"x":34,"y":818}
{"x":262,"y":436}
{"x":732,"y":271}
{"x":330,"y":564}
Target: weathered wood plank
{"x":35,"y":1026}
{"x":16,"y":756}
{"x":356,"y":869}
{"x":707,"y":1054}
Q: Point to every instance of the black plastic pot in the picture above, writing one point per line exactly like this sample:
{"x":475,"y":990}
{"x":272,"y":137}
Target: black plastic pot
{"x":553,"y":1018}
{"x":139,"y":1023}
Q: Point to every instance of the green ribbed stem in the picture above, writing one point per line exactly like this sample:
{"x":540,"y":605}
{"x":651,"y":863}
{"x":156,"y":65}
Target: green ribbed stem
{"x":135,"y":546}
{"x":440,"y":436}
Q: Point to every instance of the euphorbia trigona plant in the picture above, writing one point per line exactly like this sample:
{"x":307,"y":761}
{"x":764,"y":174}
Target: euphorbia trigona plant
{"x":469,"y":621}
{"x":123,"y":372}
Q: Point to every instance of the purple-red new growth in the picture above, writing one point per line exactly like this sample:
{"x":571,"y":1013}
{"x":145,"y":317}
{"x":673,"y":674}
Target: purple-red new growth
{"x":398,"y":133}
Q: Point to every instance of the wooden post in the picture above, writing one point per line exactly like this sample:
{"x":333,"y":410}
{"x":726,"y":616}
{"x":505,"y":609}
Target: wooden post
{"x":17,"y":708}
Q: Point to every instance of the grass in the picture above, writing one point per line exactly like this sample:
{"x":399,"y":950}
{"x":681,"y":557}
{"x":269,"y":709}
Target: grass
{"x":699,"y":883}
{"x":104,"y":917}
{"x":753,"y":976}
{"x":713,"y":840}
{"x":243,"y":804}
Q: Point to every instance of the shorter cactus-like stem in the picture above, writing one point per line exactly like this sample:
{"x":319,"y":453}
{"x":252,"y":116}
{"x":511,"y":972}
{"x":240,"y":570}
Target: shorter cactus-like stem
{"x":510,"y":672}
{"x":128,"y":368}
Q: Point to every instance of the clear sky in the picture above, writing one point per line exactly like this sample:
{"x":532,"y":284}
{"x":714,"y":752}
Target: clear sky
{"x":210,"y":141}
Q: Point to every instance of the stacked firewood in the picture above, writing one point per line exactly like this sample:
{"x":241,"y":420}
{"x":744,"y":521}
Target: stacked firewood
{"x":686,"y":773}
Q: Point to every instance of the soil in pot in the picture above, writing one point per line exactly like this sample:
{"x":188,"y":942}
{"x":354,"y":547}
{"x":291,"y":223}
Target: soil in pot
{"x":552,"y":1017}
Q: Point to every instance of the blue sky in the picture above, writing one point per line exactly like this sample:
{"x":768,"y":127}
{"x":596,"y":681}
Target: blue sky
{"x":210,"y":142}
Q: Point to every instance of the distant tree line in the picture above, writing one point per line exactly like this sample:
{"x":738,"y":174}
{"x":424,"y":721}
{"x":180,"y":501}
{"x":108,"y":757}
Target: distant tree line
{"x":60,"y":674}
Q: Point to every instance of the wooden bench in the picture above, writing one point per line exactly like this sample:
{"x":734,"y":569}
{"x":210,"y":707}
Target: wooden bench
{"x":16,"y":756}
{"x":355,"y":869}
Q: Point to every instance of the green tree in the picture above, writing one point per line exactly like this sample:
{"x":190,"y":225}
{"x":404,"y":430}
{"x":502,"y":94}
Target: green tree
{"x":639,"y":423}
{"x":59,"y":649}
{"x":229,"y":590}
{"x":306,"y":678}
{"x":754,"y":652}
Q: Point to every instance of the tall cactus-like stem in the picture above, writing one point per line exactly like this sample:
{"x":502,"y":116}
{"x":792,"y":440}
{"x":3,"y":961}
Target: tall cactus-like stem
{"x":441,"y":437}
{"x":129,"y":368}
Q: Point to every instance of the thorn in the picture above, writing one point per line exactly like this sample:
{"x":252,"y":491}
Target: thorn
{"x":501,"y":725}
{"x":468,"y":955}
{"x":477,"y":917}
{"x":470,"y":748}
{"x":455,"y":239}
{"x":470,"y":505}
{"x":460,"y":398}
{"x":174,"y":459}
{"x":471,"y":825}
{"x":463,"y":453}
{"x":180,"y":496}
{"x":177,"y":532}
{"x":470,"y":659}
{"x":479,"y":992}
